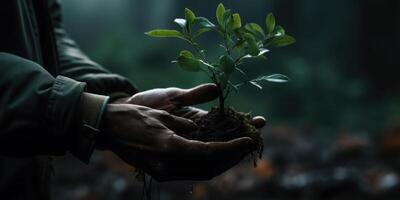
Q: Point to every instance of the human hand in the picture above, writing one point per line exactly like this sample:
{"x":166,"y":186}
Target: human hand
{"x":180,"y":101}
{"x":145,"y":138}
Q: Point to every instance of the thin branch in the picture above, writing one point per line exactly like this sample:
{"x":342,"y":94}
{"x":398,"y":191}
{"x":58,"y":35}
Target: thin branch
{"x":242,"y":72}
{"x":228,"y":90}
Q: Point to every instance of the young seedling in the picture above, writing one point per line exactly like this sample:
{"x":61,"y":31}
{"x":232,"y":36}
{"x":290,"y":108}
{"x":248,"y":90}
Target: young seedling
{"x":240,"y":43}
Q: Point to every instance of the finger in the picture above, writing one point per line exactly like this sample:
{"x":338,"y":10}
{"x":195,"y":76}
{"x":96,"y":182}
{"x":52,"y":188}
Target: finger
{"x":189,"y":112}
{"x":197,"y":95}
{"x":210,"y":159}
{"x":177,"y":124}
{"x":196,"y":160}
{"x":258,"y":121}
{"x":238,"y":150}
{"x":219,"y":150}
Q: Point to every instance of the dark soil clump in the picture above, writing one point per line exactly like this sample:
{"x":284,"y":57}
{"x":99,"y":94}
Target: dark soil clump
{"x":215,"y":127}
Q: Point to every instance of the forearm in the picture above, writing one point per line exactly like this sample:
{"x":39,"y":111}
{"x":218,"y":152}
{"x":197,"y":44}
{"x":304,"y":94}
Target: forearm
{"x":41,"y":114}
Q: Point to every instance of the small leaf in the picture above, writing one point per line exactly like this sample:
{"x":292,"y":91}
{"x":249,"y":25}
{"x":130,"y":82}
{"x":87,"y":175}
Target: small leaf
{"x":219,"y":14}
{"x":227,"y":19}
{"x":165,"y":33}
{"x":255,"y":84}
{"x":227,"y":64}
{"x":187,"y":61}
{"x":282,"y":41}
{"x":180,"y":22}
{"x":252,"y":44}
{"x":189,"y":16}
{"x":262,"y":51}
{"x":186,"y":54}
{"x":204,"y":22}
{"x":279,"y":31}
{"x":276,"y":78}
{"x":237,"y":22}
{"x":270,"y":22}
{"x":201,"y":31}
{"x":255,"y":29}
{"x":246,"y":56}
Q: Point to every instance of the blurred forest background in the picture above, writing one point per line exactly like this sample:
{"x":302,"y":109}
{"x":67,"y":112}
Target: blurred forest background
{"x":343,"y":93}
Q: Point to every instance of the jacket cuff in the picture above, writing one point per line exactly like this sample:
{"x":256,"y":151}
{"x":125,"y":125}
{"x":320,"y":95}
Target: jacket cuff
{"x":75,"y":116}
{"x":92,"y":110}
{"x":63,"y":110}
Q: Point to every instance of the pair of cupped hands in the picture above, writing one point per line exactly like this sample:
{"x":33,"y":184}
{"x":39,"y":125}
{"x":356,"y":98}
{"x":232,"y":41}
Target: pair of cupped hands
{"x":142,"y":130}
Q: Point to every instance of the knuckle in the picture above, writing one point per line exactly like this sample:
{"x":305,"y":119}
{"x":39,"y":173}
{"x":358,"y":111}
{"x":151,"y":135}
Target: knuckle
{"x":173,"y":88}
{"x":169,"y":145}
{"x":162,"y":114}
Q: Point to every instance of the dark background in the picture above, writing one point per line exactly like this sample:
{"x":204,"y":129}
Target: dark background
{"x":341,"y":105}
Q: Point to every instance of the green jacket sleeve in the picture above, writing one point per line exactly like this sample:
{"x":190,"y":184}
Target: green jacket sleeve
{"x":39,"y":113}
{"x":76,"y":65}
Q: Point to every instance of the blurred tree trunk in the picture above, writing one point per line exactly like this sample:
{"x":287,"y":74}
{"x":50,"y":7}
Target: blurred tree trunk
{"x":380,"y":44}
{"x":151,"y":13}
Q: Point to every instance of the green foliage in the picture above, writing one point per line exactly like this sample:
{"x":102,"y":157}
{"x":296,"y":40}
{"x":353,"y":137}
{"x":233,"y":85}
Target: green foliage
{"x":270,"y":22}
{"x":237,"y":22}
{"x":220,"y":13}
{"x":188,"y":62}
{"x":165,"y":33}
{"x":240,"y":42}
{"x":227,"y":64}
{"x":281,"y":41}
{"x":189,"y":16}
{"x":255,"y":30}
{"x":204,"y":22}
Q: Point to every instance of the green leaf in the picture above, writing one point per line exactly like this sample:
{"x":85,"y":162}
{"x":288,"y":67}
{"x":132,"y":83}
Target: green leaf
{"x":219,"y":14}
{"x":201,"y":31}
{"x":270,"y":22}
{"x":252,"y":44}
{"x":279,"y":31}
{"x":188,"y":62}
{"x":189,"y":16}
{"x":226,"y":19}
{"x":227,"y":64}
{"x":186,"y":54}
{"x":180,"y":22}
{"x":255,"y":29}
{"x":282,"y":41}
{"x":204,"y":22}
{"x":237,"y":22}
{"x":262,"y":51}
{"x":276,"y":78}
{"x":165,"y":33}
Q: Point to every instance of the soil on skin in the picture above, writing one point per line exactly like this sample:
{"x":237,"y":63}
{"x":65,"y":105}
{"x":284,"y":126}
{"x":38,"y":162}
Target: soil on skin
{"x":215,"y":127}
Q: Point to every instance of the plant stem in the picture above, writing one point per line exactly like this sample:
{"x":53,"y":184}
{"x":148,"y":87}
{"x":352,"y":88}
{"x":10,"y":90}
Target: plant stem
{"x":198,"y":48}
{"x":226,"y":44}
{"x":221,"y":99}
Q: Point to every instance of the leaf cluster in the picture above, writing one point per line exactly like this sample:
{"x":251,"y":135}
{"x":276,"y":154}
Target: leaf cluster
{"x":240,"y":42}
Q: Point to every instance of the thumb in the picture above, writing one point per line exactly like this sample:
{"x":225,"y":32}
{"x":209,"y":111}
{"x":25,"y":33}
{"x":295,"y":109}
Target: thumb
{"x":197,"y":95}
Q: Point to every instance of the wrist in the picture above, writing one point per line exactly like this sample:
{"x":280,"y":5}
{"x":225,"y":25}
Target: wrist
{"x":120,"y":100}
{"x":90,"y":134}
